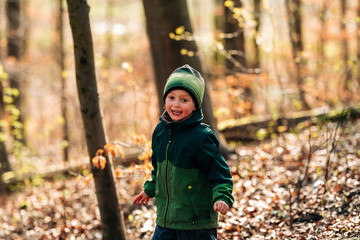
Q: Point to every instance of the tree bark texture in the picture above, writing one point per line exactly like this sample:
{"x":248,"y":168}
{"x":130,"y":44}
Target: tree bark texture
{"x":358,"y":44}
{"x":111,"y":217}
{"x":293,"y":8}
{"x":61,"y":63}
{"x":4,"y":160}
{"x":235,"y":45}
{"x":15,"y":47}
{"x":257,"y":18}
{"x":344,"y":48}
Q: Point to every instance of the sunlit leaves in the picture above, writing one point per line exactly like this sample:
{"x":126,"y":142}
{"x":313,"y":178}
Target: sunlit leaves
{"x":64,"y":144}
{"x":65,"y":74}
{"x":99,"y":161}
{"x":7,"y":176}
{"x":184,"y":51}
{"x":281,"y":129}
{"x":127,"y":66}
{"x":3,"y":137}
{"x":147,"y":153}
{"x":261,"y":133}
{"x":229,"y":3}
{"x":12,"y":124}
{"x":3,"y":75}
{"x":114,"y":150}
{"x":180,"y":30}
{"x":138,"y":138}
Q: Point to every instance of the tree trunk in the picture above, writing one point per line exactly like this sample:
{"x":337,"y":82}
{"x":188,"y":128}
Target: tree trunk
{"x":111,"y":216}
{"x":345,"y":52}
{"x":61,"y":63}
{"x":358,"y":45}
{"x":235,"y":47}
{"x":257,"y":18}
{"x":323,"y":32}
{"x":293,"y":8}
{"x":4,"y":160}
{"x":235,"y":43}
{"x":109,"y":33}
{"x":219,"y":22}
{"x":15,"y":44}
{"x":162,"y":18}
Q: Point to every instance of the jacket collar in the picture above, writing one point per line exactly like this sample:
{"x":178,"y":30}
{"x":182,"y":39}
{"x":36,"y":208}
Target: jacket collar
{"x":194,"y":118}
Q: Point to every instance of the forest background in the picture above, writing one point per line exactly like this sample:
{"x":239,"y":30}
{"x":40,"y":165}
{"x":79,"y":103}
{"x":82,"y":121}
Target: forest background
{"x":279,"y":70}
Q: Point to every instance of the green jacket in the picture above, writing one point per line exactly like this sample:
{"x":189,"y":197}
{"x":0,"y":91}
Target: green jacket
{"x":189,"y":174}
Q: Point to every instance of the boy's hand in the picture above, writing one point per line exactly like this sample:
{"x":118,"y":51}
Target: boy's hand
{"x":221,"y":207}
{"x":142,"y":198}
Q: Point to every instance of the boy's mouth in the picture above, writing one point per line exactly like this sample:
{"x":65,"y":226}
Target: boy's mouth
{"x":176,"y":112}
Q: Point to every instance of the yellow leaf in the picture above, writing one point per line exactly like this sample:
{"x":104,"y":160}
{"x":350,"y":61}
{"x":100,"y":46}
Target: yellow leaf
{"x":229,"y":3}
{"x":179,"y":30}
{"x":183,"y":51}
{"x":102,"y":162}
{"x":191,"y":53}
{"x":110,"y":149}
{"x":95,"y":161}
{"x":281,"y":128}
{"x":171,"y":35}
{"x":136,"y":138}
{"x":99,"y":152}
{"x":64,"y":74}
{"x":120,"y":151}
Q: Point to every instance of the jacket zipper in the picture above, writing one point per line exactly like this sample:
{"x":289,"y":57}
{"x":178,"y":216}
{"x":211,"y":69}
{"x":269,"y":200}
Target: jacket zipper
{"x":166,"y":187}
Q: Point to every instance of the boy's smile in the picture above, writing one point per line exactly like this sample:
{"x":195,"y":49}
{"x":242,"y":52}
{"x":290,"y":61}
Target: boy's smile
{"x":179,"y":104}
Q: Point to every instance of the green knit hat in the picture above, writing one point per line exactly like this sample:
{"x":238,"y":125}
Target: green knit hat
{"x":188,"y":79}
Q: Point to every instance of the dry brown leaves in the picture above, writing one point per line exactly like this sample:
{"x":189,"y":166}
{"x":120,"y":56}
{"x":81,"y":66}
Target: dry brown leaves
{"x":267,"y":203}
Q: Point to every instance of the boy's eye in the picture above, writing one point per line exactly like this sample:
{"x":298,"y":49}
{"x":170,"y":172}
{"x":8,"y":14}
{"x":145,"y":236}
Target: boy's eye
{"x":184,"y":100}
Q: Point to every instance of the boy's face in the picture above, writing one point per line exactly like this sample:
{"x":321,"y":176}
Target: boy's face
{"x":179,"y":104}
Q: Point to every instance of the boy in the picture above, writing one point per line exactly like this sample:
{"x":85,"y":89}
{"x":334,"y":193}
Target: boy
{"x":191,"y":181}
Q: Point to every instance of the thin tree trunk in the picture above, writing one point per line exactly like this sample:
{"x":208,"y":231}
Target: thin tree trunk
{"x":257,"y":18}
{"x":345,"y":52}
{"x":323,"y":32}
{"x":4,"y":160}
{"x":110,"y":212}
{"x":234,"y":45}
{"x":109,"y":33}
{"x":295,"y":31}
{"x":219,"y":21}
{"x":358,"y":45}
{"x":15,"y":49}
{"x":61,"y":62}
{"x":2,"y":5}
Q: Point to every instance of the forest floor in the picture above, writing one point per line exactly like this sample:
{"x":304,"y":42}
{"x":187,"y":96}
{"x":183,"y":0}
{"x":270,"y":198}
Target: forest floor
{"x":291,"y":187}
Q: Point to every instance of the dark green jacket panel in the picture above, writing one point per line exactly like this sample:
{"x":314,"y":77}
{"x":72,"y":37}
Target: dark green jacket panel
{"x":189,"y":175}
{"x":183,"y":204}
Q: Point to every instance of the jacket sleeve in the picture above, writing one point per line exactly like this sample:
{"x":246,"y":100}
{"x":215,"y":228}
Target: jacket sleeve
{"x":149,"y":186}
{"x":216,"y":168}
